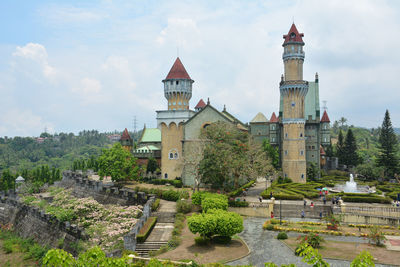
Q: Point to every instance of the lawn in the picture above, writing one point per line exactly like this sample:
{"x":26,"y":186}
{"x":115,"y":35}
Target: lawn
{"x":350,"y":250}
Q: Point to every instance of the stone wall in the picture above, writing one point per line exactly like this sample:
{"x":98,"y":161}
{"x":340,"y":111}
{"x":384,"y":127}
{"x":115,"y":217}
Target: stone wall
{"x":31,"y":222}
{"x":104,"y":193}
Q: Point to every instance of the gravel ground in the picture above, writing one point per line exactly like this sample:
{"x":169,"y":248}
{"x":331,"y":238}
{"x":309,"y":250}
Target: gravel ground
{"x":266,"y":248}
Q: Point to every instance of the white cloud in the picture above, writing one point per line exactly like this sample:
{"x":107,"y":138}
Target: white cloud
{"x":89,"y":91}
{"x":71,"y":15}
{"x":22,"y":123}
{"x":182,"y":32}
{"x":37,"y":54}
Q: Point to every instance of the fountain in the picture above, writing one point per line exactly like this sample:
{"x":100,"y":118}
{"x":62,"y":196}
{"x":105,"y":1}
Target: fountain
{"x":351,"y":186}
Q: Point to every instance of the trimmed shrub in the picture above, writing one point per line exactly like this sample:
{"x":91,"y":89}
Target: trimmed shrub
{"x":233,"y":203}
{"x":146,"y":229}
{"x":212,"y":202}
{"x":183,"y":206}
{"x":282,"y":236}
{"x":270,"y":227}
{"x":171,"y":195}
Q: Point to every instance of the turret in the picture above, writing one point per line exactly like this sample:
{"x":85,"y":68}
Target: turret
{"x":325,"y":132}
{"x":126,"y":140}
{"x":178,"y":87}
{"x":293,"y":54}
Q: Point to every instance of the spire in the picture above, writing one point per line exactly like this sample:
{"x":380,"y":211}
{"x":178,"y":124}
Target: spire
{"x":316,"y":77}
{"x":178,"y":71}
{"x":273,"y":118}
{"x":224,"y":108}
{"x":293,"y":36}
{"x":125,"y":135}
{"x":325,"y":117}
{"x":208,"y":101}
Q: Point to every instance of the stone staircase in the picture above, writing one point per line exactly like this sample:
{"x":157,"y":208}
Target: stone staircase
{"x":143,"y":249}
{"x":294,"y":210}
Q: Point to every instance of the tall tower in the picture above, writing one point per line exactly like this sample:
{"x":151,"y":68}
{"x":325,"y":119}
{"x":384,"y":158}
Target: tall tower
{"x":178,"y":91}
{"x":126,"y":141}
{"x":293,"y":90}
{"x":178,"y":87}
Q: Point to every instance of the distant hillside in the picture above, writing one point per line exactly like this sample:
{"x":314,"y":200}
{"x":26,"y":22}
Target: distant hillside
{"x":367,"y":140}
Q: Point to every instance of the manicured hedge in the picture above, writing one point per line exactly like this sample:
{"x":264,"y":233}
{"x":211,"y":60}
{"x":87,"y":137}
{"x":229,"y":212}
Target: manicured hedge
{"x":238,"y":191}
{"x":393,"y":195}
{"x":214,"y":202}
{"x":176,"y":183}
{"x":233,"y":203}
{"x":146,"y":229}
{"x":361,"y":198}
{"x":197,"y":197}
{"x":292,"y":191}
{"x":166,"y":194}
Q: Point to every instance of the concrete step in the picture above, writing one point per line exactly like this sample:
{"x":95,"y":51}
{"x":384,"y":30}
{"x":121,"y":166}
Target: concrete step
{"x":143,"y":248}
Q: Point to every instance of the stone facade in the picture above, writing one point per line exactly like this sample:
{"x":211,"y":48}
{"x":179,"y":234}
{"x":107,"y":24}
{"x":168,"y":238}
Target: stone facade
{"x":298,"y":132}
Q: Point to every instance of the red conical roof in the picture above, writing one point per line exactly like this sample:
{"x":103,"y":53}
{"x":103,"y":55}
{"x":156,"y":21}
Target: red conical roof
{"x":273,"y":118}
{"x":325,"y":117}
{"x":125,"y":135}
{"x":201,"y":104}
{"x":293,"y":35}
{"x":321,"y":151}
{"x":178,"y":71}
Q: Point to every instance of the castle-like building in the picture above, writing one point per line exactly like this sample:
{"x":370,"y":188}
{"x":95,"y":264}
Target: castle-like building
{"x":297,"y":131}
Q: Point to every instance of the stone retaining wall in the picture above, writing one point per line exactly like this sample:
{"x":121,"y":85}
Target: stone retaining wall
{"x":31,"y":222}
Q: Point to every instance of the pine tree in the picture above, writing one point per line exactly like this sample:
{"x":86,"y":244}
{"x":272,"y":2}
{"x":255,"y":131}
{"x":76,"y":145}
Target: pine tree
{"x":340,"y":147}
{"x":350,"y":156}
{"x":388,"y":147}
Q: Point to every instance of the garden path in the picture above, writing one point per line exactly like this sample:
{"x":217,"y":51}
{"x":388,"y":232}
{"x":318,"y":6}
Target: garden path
{"x":266,"y":248}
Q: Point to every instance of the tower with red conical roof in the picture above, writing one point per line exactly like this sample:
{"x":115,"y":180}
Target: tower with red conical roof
{"x":178,"y":87}
{"x":325,"y":131}
{"x":126,"y":140}
{"x":293,"y":90}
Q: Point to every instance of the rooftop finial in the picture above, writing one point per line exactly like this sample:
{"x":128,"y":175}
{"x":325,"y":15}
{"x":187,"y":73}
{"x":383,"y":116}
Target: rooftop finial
{"x":316,"y":77}
{"x":208,"y":101}
{"x":282,"y":79}
{"x":224,"y":108}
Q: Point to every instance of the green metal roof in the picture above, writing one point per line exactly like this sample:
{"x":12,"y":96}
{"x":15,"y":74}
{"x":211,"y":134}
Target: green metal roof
{"x":151,"y":135}
{"x":312,"y":100}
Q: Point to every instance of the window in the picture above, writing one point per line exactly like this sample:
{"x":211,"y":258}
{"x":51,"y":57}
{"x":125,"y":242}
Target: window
{"x":301,"y":152}
{"x":313,"y":147}
{"x":175,"y":155}
{"x":177,"y":82}
{"x":312,"y":155}
{"x":171,"y":155}
{"x":301,"y":134}
{"x":172,"y":82}
{"x":325,"y":140}
{"x":325,"y":127}
{"x":286,"y":152}
{"x":273,"y":127}
{"x":302,"y":176}
{"x":174,"y":103}
{"x":273,"y":139}
{"x":285,"y":175}
{"x":293,"y":103}
{"x":166,"y":175}
{"x":259,"y":133}
{"x":286,"y":135}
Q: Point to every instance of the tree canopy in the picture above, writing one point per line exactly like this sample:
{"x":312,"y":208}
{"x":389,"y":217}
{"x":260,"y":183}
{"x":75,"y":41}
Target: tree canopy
{"x":230,"y":157}
{"x":118,"y":163}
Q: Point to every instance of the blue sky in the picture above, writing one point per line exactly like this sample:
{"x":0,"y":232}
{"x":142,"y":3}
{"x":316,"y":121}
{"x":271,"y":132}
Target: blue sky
{"x":73,"y":65}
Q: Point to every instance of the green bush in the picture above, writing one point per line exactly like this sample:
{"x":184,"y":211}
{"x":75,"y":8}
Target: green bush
{"x":213,"y":202}
{"x":196,"y":197}
{"x":146,"y":229}
{"x":282,"y":236}
{"x":183,"y":206}
{"x":233,"y":203}
{"x":270,"y":227}
{"x":63,"y":215}
{"x":312,"y":239}
{"x":171,"y":195}
{"x":155,"y":204}
{"x":274,"y":221}
{"x":216,"y":222}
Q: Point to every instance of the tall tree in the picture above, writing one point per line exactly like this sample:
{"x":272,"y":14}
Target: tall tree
{"x":388,"y":147}
{"x":342,"y":121}
{"x":340,"y":147}
{"x":117,"y":163}
{"x":272,"y":153}
{"x":350,"y":156}
{"x":229,"y":157}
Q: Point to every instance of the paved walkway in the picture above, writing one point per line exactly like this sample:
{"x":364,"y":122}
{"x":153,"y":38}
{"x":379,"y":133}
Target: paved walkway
{"x":266,"y":248}
{"x":162,"y":231}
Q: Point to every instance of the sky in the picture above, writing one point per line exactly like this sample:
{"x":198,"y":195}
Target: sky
{"x":66,"y":66}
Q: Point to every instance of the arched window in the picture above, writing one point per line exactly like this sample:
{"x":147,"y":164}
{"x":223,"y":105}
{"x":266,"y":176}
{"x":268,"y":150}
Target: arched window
{"x":171,"y":155}
{"x":166,"y":175}
{"x":176,"y":155}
